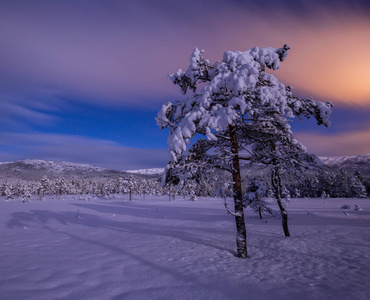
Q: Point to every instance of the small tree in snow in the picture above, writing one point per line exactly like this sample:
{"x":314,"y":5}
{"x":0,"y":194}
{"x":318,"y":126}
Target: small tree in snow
{"x":170,"y":181}
{"x":44,"y":187}
{"x":340,"y":187}
{"x":239,"y":105}
{"x":132,"y":186}
{"x":60,"y":187}
{"x":8,"y":192}
{"x":255,"y":197}
{"x":296,"y":193}
{"x":26,"y":194}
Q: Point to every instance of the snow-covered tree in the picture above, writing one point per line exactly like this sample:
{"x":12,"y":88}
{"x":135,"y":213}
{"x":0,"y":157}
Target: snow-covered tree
{"x":296,"y":193}
{"x":9,"y":192}
{"x":357,"y":187}
{"x":340,"y":187}
{"x":324,"y":195}
{"x":132,"y":185}
{"x":256,"y":198}
{"x":60,"y":187}
{"x":237,"y":101}
{"x":26,"y":194}
{"x":191,"y":176}
{"x":44,"y":187}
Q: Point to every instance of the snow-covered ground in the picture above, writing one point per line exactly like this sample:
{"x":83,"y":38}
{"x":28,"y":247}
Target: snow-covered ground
{"x":156,"y":249}
{"x":153,"y":171}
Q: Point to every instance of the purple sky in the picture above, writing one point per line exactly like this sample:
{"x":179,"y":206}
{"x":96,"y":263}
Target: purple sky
{"x":81,"y":81}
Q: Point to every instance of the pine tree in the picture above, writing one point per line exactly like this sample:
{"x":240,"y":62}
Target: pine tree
{"x":240,"y":105}
{"x":26,"y":194}
{"x":340,"y":187}
{"x":357,"y":187}
{"x":256,"y":198}
{"x":43,"y":188}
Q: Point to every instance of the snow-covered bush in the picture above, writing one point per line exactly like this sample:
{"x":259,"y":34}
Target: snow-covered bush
{"x":256,"y":198}
{"x":357,"y":207}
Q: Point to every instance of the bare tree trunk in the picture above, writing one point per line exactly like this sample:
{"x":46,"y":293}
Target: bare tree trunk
{"x":241,"y":235}
{"x":260,"y":213}
{"x":276,"y":183}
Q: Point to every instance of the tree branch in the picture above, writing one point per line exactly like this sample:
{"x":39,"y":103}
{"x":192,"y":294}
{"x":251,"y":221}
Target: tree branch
{"x":229,"y":211}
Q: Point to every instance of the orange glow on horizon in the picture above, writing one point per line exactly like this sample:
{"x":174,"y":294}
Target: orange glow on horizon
{"x":329,"y":57}
{"x":332,"y":64}
{"x":341,"y":144}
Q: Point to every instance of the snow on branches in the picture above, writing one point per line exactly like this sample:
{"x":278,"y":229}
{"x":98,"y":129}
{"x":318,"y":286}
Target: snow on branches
{"x":244,"y":113}
{"x":235,"y":90}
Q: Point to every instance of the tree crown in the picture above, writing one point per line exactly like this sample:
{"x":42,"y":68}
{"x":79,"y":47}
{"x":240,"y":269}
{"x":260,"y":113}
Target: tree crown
{"x":236,"y":91}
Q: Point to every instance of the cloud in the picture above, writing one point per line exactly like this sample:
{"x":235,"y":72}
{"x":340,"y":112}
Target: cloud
{"x":117,"y":52}
{"x":104,"y":153}
{"x":342,"y":144}
{"x":18,"y":116}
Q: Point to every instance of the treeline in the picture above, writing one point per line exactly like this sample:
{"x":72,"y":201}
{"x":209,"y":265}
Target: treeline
{"x":325,"y":184}
{"x":102,"y":188}
{"x":80,"y":187}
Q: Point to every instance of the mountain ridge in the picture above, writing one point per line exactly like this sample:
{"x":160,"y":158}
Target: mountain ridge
{"x":350,"y":164}
{"x":35,"y":169}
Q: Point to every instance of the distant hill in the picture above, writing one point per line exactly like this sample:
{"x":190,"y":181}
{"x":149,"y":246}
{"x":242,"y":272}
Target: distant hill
{"x":153,"y":171}
{"x":350,"y":164}
{"x":35,"y":169}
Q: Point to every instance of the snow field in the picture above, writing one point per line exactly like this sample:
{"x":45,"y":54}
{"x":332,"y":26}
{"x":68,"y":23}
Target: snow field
{"x":156,"y":249}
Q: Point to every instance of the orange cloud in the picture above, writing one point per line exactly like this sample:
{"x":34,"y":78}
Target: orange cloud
{"x":332,"y":62}
{"x":329,"y":57}
{"x":349,"y":143}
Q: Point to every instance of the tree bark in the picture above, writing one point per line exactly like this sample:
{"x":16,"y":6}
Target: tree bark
{"x":276,"y":183}
{"x":260,"y":213}
{"x":241,"y":233}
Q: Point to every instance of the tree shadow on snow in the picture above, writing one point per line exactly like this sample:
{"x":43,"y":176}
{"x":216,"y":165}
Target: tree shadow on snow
{"x":159,"y":212}
{"x":181,"y":232}
{"x":48,"y":220}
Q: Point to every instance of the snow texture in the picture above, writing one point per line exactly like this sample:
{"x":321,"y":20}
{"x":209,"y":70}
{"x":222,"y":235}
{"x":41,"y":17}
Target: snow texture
{"x":156,"y":249}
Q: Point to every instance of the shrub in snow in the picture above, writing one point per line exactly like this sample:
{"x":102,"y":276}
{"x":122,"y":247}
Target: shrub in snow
{"x":285,"y":194}
{"x":256,"y":198}
{"x":356,"y":207}
{"x":296,"y":193}
{"x":8,"y":192}
{"x":346,"y":206}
